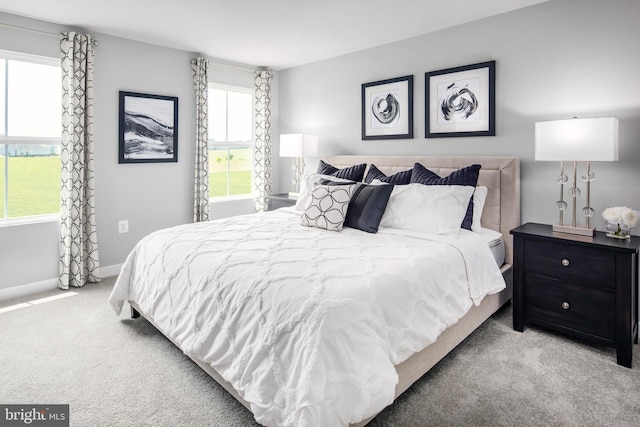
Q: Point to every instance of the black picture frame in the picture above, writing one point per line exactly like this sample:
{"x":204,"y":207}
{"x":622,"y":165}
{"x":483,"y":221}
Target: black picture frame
{"x":387,"y":109}
{"x":148,"y":128}
{"x":461,"y":101}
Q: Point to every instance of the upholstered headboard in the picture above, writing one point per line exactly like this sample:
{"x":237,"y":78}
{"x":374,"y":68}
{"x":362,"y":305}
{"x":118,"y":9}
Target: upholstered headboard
{"x":501,"y":175}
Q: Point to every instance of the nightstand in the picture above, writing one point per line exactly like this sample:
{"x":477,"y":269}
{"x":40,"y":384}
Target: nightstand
{"x":277,"y":201}
{"x":586,"y":287}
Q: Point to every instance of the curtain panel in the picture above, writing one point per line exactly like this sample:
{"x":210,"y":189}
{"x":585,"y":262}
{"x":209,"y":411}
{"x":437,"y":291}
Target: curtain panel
{"x":200,"y":67}
{"x":262,"y":144}
{"x":78,"y":238}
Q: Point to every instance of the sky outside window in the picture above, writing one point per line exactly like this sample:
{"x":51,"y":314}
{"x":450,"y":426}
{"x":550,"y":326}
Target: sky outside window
{"x":34,"y":97}
{"x":239,"y":117}
{"x":217,"y":115}
{"x":237,"y":126}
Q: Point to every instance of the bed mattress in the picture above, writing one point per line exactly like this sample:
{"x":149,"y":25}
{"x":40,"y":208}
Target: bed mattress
{"x":495,"y":242}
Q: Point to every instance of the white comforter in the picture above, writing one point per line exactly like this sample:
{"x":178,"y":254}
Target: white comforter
{"x":306,"y":324}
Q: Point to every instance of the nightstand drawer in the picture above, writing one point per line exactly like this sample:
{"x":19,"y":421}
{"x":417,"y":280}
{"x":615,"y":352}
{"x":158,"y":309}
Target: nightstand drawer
{"x":581,"y":308}
{"x":575,"y":263}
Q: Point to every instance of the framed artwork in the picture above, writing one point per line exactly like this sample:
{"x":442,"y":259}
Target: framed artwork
{"x":148,"y":128}
{"x":387,"y":109}
{"x":461,"y":101}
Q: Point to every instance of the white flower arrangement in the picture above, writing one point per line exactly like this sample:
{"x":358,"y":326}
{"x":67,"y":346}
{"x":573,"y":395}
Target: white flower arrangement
{"x":621,"y":215}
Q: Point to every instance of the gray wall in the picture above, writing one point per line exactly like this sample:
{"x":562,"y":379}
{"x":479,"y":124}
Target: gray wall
{"x":152,"y":195}
{"x":555,"y":60}
{"x":149,"y":196}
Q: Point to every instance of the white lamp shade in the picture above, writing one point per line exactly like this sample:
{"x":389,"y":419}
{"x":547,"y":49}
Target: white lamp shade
{"x":577,"y":140}
{"x":298,"y":145}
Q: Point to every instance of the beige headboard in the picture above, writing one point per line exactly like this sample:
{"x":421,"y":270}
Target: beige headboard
{"x":501,"y":175}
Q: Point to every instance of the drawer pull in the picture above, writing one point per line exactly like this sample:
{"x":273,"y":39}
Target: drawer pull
{"x":565,"y":305}
{"x":565,"y":262}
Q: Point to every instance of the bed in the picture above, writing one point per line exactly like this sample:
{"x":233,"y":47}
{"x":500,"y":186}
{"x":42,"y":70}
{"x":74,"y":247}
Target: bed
{"x":276,"y":375}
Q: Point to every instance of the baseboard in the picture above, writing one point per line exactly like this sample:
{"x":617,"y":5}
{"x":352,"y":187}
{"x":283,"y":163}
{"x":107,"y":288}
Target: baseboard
{"x":110,"y":270}
{"x":49,"y":284}
{"x":28,"y":289}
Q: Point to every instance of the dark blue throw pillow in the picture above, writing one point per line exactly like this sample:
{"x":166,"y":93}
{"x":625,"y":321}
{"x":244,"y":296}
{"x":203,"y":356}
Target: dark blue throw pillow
{"x":400,"y":178}
{"x":354,"y":173}
{"x":464,"y":176}
{"x":367,"y":206}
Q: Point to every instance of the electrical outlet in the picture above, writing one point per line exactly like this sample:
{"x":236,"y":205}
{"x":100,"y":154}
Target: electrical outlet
{"x":123,"y":226}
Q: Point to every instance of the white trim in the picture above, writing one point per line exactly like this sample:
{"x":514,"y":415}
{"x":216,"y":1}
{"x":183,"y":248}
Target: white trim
{"x":222,"y":199}
{"x":24,"y":220}
{"x":49,"y":284}
{"x":28,"y":57}
{"x":221,"y":86}
{"x":110,"y":270}
{"x":38,"y":140}
{"x":237,"y":145}
{"x":28,"y":289}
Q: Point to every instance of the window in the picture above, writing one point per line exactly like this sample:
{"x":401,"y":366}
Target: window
{"x":30,"y":129}
{"x":230,"y":141}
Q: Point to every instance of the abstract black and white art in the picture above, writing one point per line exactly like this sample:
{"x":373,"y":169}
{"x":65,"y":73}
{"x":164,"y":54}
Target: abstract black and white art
{"x":387,"y":109}
{"x":460,"y":101}
{"x":148,"y":128}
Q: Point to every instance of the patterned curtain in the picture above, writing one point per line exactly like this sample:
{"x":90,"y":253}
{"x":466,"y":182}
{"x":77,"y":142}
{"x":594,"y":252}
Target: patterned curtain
{"x":78,"y":239}
{"x":262,"y":146}
{"x":201,"y":195}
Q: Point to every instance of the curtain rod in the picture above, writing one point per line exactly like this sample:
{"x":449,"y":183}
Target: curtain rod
{"x":48,"y":33}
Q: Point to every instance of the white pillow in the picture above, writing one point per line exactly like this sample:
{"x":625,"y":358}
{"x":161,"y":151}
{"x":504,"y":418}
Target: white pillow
{"x":435,"y":209}
{"x":378,"y":182}
{"x":328,"y":206}
{"x":479,"y":198}
{"x":308,"y":182}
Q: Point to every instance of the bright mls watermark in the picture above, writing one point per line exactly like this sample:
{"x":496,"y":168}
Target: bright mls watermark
{"x":34,"y":415}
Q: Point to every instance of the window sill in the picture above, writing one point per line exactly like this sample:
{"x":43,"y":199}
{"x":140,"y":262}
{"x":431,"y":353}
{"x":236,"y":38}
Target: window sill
{"x":25,"y":220}
{"x":214,"y":200}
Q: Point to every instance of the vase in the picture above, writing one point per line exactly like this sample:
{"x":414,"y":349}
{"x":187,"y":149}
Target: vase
{"x":618,"y":231}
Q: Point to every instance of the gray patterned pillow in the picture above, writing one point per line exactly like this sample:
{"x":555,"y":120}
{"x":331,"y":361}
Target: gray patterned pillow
{"x":328,"y":207}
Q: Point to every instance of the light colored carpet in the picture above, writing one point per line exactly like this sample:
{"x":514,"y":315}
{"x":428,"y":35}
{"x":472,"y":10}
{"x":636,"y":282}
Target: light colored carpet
{"x":114,"y":371}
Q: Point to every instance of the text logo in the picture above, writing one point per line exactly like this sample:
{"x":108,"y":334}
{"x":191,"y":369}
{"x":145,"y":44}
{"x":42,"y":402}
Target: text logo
{"x":34,"y":415}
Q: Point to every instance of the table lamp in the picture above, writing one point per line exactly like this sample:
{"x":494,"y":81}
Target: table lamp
{"x":299,"y":146}
{"x":576,"y":140}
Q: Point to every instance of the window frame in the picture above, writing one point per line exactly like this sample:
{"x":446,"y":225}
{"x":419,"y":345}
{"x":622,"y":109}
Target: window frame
{"x":231,"y":145}
{"x":6,"y":140}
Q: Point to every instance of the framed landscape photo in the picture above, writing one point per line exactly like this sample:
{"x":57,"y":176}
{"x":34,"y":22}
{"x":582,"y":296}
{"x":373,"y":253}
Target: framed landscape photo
{"x":148,"y":128}
{"x":461,"y":101}
{"x":387,"y":109}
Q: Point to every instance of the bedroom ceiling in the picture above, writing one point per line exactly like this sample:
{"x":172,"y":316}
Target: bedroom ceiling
{"x":273,"y":33}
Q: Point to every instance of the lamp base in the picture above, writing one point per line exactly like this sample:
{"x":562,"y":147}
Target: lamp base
{"x":582,"y":231}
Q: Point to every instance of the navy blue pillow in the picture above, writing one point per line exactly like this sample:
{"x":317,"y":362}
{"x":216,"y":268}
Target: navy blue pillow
{"x":464,"y":176}
{"x":400,"y":178}
{"x":354,"y":173}
{"x":367,"y":206}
